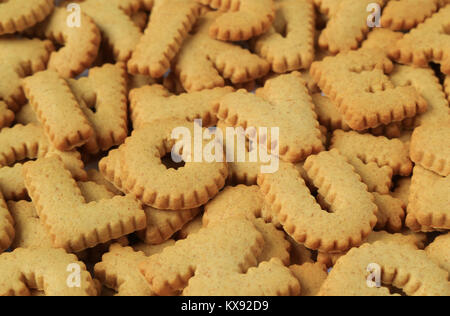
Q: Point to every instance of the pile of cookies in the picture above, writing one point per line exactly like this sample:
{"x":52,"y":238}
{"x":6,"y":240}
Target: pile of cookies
{"x":92,"y":201}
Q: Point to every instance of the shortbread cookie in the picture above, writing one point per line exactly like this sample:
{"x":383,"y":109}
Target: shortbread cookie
{"x":328,"y":114}
{"x":366,"y":97}
{"x":191,"y":227}
{"x":402,"y":266}
{"x":136,"y":168}
{"x":163,"y":224}
{"x":300,"y":135}
{"x":52,"y":188}
{"x":391,"y":212}
{"x":215,"y":261}
{"x":401,"y":190}
{"x":7,"y":231}
{"x":369,"y":148}
{"x":204,"y":63}
{"x":80,"y":44}
{"x":299,"y":254}
{"x":430,"y":147}
{"x":289,"y":44}
{"x":29,"y":142}
{"x":155,"y":103}
{"x":247,"y":202}
{"x":95,"y":176}
{"x":150,"y":250}
{"x":427,"y":84}
{"x":103,"y":98}
{"x":140,"y":19}
{"x":119,"y":271}
{"x":381,"y":38}
{"x":113,"y":19}
{"x":170,"y":22}
{"x":311,"y":277}
{"x":54,"y":107}
{"x":439,"y":251}
{"x":30,"y":233}
{"x":347,"y":26}
{"x":427,"y":43}
{"x":20,"y":57}
{"x":328,"y":7}
{"x":18,"y":15}
{"x":46,"y":270}
{"x":139,"y":81}
{"x":26,"y":115}
{"x":6,"y":115}
{"x":352,"y":218}
{"x":243,"y":19}
{"x":429,"y":201}
{"x":417,"y":240}
{"x":404,"y":15}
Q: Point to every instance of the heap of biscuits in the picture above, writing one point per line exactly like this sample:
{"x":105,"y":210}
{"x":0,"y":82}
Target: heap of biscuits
{"x":92,"y":202}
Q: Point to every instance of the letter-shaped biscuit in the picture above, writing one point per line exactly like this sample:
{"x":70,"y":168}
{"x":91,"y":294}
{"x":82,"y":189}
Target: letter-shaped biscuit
{"x":213,"y":261}
{"x":18,"y":15}
{"x":289,"y":44}
{"x":6,"y":115}
{"x":153,"y":103}
{"x":347,"y":26}
{"x":402,"y":266}
{"x":81,"y":44}
{"x":439,"y":251}
{"x":7,"y":231}
{"x":163,"y":36}
{"x":285,"y":103}
{"x":103,"y":99}
{"x":136,"y":168}
{"x":243,"y":19}
{"x":43,"y":269}
{"x":429,"y":201}
{"x":352,"y":219}
{"x":204,"y":63}
{"x":403,"y":15}
{"x":429,"y":42}
{"x":20,"y":57}
{"x":358,"y":85}
{"x":57,"y":110}
{"x":72,"y":223}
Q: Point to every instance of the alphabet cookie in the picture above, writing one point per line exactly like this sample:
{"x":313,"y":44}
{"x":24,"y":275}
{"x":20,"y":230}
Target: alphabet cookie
{"x":18,"y":15}
{"x":366,"y":97}
{"x":80,"y":44}
{"x":404,"y":15}
{"x":289,"y":196}
{"x":43,"y":269}
{"x":6,"y":115}
{"x":439,"y":252}
{"x":214,"y":260}
{"x":273,"y":106}
{"x":54,"y":106}
{"x":20,"y":57}
{"x":163,"y":36}
{"x":289,"y":43}
{"x":158,"y":186}
{"x":56,"y":195}
{"x":204,"y":63}
{"x":426,"y":43}
{"x":7,"y":231}
{"x":243,"y":19}
{"x":417,"y":277}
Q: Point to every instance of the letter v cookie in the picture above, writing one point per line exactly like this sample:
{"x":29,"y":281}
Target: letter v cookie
{"x":72,"y":223}
{"x":57,"y":110}
{"x":103,"y":99}
{"x":18,"y":15}
{"x":204,"y":62}
{"x":243,"y":19}
{"x":358,"y":84}
{"x":80,"y":44}
{"x":351,"y":218}
{"x":289,"y":44}
{"x":163,"y":36}
{"x":428,"y":42}
{"x":153,"y":103}
{"x":285,"y":103}
{"x":20,"y":57}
